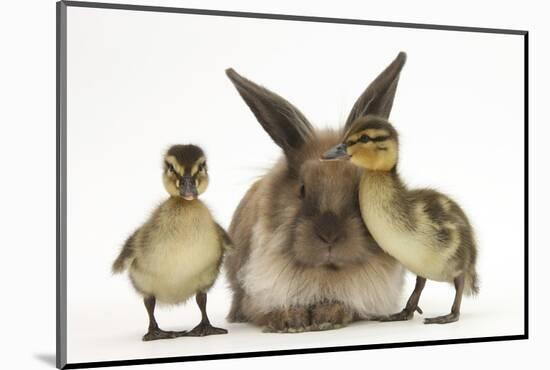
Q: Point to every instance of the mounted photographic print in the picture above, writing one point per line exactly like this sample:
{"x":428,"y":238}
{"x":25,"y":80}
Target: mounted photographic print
{"x":239,"y":184}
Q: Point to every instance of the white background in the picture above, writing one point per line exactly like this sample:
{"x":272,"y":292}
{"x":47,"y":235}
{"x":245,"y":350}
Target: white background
{"x":140,"y":81}
{"x":29,"y":165}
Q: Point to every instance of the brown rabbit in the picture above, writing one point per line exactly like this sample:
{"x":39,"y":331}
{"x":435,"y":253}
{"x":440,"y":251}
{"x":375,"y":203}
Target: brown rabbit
{"x":303,"y":259}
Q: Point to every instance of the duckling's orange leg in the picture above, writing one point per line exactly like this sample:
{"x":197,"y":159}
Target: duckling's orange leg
{"x":455,"y":310}
{"x":412,"y":304}
{"x":154,"y":332}
{"x":204,"y":328}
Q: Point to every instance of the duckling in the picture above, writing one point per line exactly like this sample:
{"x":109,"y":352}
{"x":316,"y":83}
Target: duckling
{"x":178,"y":251}
{"x":423,"y":229}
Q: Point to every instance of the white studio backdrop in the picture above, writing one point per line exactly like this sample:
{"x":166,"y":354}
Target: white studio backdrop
{"x":139,"y":82}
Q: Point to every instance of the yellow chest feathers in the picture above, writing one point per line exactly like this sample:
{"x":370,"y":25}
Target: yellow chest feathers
{"x":182,"y":256}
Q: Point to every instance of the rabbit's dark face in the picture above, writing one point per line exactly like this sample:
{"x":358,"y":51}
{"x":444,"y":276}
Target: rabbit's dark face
{"x":328,"y":229}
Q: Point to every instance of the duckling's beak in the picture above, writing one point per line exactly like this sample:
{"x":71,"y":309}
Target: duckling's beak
{"x":188,"y":190}
{"x":336,"y":153}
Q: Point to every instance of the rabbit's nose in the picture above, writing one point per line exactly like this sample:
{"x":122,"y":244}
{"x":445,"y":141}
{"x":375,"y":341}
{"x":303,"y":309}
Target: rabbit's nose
{"x":328,"y":238}
{"x":327,"y":228}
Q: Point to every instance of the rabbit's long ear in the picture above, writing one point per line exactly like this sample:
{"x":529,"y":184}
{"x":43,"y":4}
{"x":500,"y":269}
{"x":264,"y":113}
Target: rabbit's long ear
{"x":286,"y":125}
{"x":378,"y":97}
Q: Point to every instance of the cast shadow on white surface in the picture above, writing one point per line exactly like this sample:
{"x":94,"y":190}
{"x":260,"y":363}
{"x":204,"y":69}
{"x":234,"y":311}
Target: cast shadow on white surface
{"x":46,"y":358}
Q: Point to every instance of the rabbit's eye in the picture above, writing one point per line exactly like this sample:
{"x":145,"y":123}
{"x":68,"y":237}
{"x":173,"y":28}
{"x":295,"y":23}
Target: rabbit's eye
{"x":302,"y":191}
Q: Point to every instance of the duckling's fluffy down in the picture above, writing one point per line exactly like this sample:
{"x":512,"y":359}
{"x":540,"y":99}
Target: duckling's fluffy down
{"x":423,"y":229}
{"x":176,"y":253}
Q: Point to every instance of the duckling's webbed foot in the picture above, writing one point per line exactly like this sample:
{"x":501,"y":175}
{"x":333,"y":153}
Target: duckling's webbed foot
{"x":204,"y":328}
{"x":405,"y":314}
{"x":455,"y":310}
{"x":412,"y":304}
{"x":445,"y":319}
{"x":154,"y":332}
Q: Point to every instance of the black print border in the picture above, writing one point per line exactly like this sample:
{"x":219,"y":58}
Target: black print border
{"x":61,"y":189}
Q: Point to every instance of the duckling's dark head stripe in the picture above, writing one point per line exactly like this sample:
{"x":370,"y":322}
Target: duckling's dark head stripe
{"x":375,"y":123}
{"x":186,"y":155}
{"x":373,"y":139}
{"x":380,"y":138}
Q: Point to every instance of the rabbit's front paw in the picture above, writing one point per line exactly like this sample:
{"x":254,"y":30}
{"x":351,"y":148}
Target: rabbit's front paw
{"x":287,"y":320}
{"x":330,"y":315}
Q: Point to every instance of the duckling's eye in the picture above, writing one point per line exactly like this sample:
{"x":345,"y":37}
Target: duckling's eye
{"x":302,"y":191}
{"x":202,"y":167}
{"x":364,"y":138}
{"x":170,"y":168}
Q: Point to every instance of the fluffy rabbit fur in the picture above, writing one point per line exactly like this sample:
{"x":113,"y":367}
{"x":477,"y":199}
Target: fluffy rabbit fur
{"x":303,"y":259}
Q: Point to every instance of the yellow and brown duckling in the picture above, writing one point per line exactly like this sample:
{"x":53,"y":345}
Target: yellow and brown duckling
{"x":423,"y":229}
{"x":178,"y":251}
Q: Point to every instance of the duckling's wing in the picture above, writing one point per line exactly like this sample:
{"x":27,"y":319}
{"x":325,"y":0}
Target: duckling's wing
{"x":126,"y":254}
{"x":224,"y":237}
